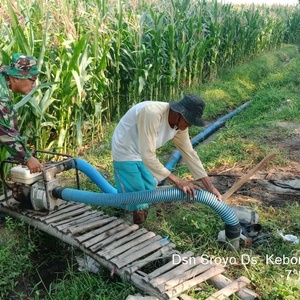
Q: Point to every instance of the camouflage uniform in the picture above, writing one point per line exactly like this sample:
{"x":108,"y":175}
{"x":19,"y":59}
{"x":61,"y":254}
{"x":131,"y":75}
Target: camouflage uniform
{"x":22,"y":67}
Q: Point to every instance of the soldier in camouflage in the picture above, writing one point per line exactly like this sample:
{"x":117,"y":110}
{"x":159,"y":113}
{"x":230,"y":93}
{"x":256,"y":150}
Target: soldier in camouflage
{"x":19,"y":77}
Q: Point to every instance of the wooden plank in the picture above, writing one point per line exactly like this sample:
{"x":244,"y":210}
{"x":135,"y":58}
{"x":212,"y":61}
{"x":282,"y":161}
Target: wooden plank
{"x":178,"y":269}
{"x":67,"y":206}
{"x":230,"y":289}
{"x":84,"y":221}
{"x":40,"y":215}
{"x":103,"y":220}
{"x":135,"y":278}
{"x":37,"y":214}
{"x":87,"y":225}
{"x":136,"y":255}
{"x":170,"y":265}
{"x":125,"y":247}
{"x":182,"y":277}
{"x":61,"y":225}
{"x":63,"y":205}
{"x":124,"y":230}
{"x":110,"y":223}
{"x":109,"y":248}
{"x":95,"y":243}
{"x":220,"y":281}
{"x":67,"y":215}
{"x":140,"y":272}
{"x":165,"y":251}
{"x":63,"y":210}
{"x":90,"y":213}
{"x":67,"y":227}
{"x":136,"y":246}
{"x":177,"y":290}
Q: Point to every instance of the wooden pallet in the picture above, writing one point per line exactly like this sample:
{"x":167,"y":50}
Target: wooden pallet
{"x":125,"y":249}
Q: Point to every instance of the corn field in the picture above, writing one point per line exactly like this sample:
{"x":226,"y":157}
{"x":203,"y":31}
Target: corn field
{"x":102,"y":56}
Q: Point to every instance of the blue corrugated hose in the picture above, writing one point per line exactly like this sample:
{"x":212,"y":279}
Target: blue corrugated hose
{"x":110,"y":197}
{"x":94,"y":175}
{"x":156,"y":196}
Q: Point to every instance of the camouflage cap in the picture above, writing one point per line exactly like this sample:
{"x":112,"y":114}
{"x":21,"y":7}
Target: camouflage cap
{"x":23,"y":66}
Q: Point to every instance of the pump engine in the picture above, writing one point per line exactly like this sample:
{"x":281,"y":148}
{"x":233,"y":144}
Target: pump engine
{"x":35,"y":189}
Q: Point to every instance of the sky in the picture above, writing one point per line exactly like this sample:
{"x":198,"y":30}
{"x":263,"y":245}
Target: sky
{"x":283,"y":2}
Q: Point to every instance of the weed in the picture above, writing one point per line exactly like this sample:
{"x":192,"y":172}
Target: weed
{"x":15,"y":251}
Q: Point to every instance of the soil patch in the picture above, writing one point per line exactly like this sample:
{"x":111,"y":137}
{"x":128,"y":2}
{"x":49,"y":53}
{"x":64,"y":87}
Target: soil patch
{"x":268,"y":186}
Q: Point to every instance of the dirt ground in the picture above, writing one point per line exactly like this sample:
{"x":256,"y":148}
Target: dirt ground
{"x":269,"y":185}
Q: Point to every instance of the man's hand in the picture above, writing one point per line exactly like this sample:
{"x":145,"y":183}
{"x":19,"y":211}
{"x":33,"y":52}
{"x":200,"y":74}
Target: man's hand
{"x":189,"y":188}
{"x":216,"y":193}
{"x":34,"y":165}
{"x":209,"y":187}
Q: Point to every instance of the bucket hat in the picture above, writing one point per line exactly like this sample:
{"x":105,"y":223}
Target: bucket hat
{"x":23,"y":66}
{"x":191,"y":107}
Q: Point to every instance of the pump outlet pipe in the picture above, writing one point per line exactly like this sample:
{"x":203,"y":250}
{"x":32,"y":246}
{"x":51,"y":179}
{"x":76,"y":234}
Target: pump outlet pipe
{"x":176,"y":156}
{"x":94,"y":175}
{"x":232,"y":224}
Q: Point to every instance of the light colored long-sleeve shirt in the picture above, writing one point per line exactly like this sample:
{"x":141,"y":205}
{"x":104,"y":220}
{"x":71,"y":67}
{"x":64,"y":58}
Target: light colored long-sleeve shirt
{"x":144,"y":129}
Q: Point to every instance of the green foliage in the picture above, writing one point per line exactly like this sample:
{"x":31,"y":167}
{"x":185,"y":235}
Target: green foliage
{"x":90,"y":286}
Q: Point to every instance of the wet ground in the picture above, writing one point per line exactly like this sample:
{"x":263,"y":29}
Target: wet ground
{"x":270,"y":185}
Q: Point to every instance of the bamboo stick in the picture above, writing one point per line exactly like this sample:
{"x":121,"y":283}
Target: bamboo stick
{"x":220,"y":281}
{"x":240,"y":182}
{"x":183,"y":277}
{"x":177,"y":271}
{"x":165,"y":268}
{"x":110,"y":250}
{"x":230,"y":289}
{"x":129,"y":245}
{"x":177,"y":290}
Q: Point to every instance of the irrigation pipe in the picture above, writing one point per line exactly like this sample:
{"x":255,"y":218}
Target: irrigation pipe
{"x":176,"y":155}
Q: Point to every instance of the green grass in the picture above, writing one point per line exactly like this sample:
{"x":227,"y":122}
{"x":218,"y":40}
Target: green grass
{"x":244,"y":141}
{"x":100,"y":286}
{"x":194,"y":227}
{"x":15,"y":251}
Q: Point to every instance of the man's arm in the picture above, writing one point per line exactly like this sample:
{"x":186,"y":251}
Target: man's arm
{"x":12,"y":141}
{"x":148,"y":122}
{"x":191,"y":158}
{"x":210,"y":187}
{"x":9,"y":135}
